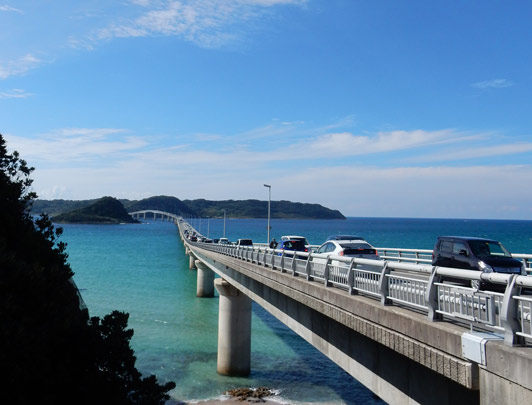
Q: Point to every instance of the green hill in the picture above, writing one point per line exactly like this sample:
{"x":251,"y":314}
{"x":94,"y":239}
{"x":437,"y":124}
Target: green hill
{"x":106,"y":210}
{"x":259,"y":209}
{"x":82,"y":211}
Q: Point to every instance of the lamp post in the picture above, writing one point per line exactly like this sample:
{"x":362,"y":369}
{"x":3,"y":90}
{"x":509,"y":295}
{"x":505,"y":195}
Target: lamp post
{"x":224,"y":222}
{"x":269,"y":201}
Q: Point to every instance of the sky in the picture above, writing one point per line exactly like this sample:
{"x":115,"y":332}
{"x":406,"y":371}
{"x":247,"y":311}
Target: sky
{"x":377,"y":108}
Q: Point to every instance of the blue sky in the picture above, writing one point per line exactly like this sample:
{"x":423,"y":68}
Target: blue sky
{"x":376,"y":108}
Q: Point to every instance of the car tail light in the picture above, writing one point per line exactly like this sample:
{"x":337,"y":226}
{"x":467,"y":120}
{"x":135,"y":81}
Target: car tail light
{"x":341,"y":253}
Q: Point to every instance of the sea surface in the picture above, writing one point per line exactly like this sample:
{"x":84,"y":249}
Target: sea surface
{"x":142,"y":269}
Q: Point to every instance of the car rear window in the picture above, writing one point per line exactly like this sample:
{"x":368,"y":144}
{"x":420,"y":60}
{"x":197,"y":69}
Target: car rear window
{"x":294,"y":245}
{"x":357,"y":248}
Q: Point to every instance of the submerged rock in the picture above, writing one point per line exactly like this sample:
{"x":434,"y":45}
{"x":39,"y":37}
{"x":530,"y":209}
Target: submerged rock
{"x":250,"y":394}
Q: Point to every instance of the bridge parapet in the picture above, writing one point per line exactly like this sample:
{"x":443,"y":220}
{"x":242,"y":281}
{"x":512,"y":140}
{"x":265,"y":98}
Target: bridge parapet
{"x":403,"y":284}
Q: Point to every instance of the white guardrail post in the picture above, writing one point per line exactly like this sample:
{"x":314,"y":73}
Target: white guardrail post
{"x":282,"y":262}
{"x":384,"y":284}
{"x":509,"y":314}
{"x":326,"y":271}
{"x":431,"y":295}
{"x":351,"y":278}
{"x":307,"y":266}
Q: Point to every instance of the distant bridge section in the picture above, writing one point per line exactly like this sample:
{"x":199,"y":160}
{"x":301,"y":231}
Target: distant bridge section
{"x":155,"y":214}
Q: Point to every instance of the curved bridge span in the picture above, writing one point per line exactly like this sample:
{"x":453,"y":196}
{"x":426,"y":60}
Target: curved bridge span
{"x":155,"y":214}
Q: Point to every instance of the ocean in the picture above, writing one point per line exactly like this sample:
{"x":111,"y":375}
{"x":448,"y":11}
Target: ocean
{"x":142,"y":269}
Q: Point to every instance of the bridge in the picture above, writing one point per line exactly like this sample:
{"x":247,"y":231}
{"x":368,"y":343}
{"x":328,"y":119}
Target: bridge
{"x":391,"y":323}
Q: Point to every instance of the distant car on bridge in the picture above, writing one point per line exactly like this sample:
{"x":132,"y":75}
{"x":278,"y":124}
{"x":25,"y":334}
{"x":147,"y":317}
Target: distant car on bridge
{"x":244,"y":242}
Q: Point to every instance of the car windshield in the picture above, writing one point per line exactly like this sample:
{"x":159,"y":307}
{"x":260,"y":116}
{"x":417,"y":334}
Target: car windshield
{"x":484,"y":248}
{"x":357,"y":248}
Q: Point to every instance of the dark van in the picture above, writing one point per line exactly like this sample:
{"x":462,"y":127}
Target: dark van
{"x":471,"y":253}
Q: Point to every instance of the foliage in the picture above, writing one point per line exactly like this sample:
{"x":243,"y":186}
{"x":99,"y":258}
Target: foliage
{"x":51,"y":352}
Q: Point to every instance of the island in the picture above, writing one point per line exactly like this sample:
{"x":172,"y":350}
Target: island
{"x":106,"y":210}
{"x":97,"y":211}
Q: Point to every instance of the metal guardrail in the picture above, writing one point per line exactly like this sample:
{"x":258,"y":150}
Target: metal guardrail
{"x":405,"y":278}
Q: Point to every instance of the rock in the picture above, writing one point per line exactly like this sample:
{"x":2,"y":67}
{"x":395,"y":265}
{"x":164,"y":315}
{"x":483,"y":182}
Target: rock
{"x":250,"y":394}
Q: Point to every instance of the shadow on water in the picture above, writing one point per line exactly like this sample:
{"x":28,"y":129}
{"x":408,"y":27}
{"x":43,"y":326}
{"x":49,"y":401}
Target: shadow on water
{"x":309,"y":363}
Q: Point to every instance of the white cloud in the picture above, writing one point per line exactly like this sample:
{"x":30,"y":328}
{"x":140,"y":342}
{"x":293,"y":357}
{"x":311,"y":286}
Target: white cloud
{"x":9,"y":8}
{"x":493,"y":84}
{"x":348,"y":144}
{"x":67,"y":147}
{"x":19,"y":66}
{"x":478,"y":152}
{"x":14,"y":93}
{"x":208,"y":23}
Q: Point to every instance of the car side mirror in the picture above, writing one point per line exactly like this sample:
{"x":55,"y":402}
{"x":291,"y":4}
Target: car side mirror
{"x":463,"y":252}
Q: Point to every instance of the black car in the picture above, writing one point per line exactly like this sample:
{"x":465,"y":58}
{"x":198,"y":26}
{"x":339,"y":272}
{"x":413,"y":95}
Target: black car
{"x":471,"y":253}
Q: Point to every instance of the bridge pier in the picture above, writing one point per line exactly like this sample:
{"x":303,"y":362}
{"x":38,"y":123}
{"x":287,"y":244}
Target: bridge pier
{"x":191,"y":262}
{"x":234,"y":330}
{"x":205,"y":280}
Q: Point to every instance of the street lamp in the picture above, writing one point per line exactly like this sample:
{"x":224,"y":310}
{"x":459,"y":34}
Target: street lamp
{"x":269,"y":200}
{"x":224,"y":223}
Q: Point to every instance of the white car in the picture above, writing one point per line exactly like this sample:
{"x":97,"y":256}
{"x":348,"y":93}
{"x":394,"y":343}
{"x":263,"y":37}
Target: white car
{"x":347,"y":248}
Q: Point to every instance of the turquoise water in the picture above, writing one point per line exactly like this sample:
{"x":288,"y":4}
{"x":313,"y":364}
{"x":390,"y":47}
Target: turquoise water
{"x":142,"y":269}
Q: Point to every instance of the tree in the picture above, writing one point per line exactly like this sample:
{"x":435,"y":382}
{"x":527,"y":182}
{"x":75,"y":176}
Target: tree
{"x":50,"y":350}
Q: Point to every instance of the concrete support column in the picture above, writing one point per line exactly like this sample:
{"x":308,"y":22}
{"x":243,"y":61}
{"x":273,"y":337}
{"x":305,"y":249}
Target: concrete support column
{"x":191,"y":262}
{"x":205,"y":280}
{"x":234,"y":330}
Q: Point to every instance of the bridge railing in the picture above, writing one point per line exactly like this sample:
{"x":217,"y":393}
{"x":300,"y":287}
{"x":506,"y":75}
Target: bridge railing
{"x":409,"y":284}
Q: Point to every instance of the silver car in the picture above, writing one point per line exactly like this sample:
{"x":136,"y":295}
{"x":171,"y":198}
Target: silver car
{"x":358,"y":248}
